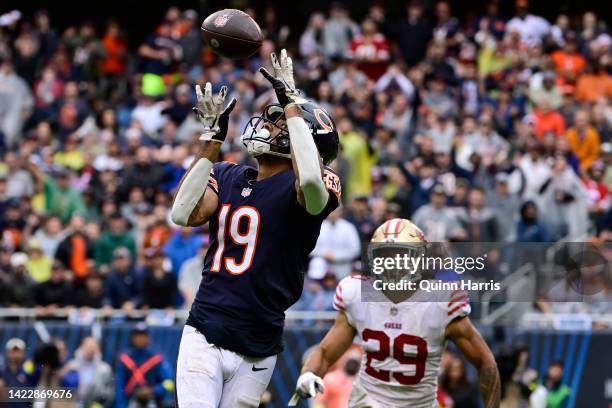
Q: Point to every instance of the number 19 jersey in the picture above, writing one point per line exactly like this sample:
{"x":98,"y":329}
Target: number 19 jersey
{"x":402,"y":344}
{"x":254,"y":269}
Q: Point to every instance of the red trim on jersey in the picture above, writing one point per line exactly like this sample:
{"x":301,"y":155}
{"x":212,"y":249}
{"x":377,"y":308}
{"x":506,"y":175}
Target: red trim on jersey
{"x":361,"y":278}
{"x":458,"y":299}
{"x":453,"y":310}
{"x":338,"y":306}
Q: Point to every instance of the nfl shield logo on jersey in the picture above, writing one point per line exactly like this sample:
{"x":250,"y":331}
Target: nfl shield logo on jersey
{"x":246,"y":192}
{"x":221,"y":20}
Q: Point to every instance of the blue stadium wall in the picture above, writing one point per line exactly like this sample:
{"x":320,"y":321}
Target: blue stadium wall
{"x":587,"y":356}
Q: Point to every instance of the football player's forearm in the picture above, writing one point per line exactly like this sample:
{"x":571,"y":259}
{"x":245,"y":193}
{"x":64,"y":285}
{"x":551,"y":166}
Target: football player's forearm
{"x":191,"y":189}
{"x":316,"y":363}
{"x":490,"y":385}
{"x":306,"y":158}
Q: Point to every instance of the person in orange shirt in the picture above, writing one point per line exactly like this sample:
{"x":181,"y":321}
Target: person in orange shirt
{"x":547,"y":120}
{"x":569,"y":62}
{"x":584,"y":140}
{"x":116,"y":49}
{"x":593,"y":85}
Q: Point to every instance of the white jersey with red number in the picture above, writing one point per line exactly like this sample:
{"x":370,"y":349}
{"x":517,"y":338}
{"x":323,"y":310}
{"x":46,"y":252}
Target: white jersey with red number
{"x":402,"y":343}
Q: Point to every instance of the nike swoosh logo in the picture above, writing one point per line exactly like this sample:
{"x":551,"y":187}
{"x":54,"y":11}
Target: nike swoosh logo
{"x":259,"y":368}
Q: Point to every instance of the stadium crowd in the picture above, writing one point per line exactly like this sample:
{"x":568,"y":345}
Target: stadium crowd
{"x":494,"y":129}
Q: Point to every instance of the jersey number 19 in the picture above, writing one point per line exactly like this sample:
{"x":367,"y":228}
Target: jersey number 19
{"x":247,"y":239}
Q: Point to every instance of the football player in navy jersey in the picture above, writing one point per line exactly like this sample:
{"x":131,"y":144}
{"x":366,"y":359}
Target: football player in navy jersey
{"x":263,"y":224}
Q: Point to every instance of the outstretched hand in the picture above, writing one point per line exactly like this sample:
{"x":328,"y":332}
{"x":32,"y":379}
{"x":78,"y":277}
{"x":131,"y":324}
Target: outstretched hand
{"x":209,"y":111}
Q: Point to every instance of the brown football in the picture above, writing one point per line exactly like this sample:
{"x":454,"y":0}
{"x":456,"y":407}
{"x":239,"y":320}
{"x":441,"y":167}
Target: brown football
{"x":232,"y":33}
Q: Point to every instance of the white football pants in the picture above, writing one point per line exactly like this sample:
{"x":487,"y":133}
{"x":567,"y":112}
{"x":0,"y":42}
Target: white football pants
{"x":208,"y":376}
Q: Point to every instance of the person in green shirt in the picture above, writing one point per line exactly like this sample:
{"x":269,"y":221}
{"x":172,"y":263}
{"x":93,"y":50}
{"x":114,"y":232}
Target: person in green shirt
{"x":558,"y":393}
{"x":117,"y":236}
{"x":61,"y":199}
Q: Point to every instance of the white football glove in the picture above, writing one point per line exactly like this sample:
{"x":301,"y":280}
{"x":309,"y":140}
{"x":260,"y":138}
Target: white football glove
{"x":209,"y":111}
{"x":309,"y":385}
{"x":283,"y":70}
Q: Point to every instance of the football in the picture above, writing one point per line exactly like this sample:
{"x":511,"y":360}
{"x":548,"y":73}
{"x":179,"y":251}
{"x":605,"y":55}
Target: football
{"x":232,"y":33}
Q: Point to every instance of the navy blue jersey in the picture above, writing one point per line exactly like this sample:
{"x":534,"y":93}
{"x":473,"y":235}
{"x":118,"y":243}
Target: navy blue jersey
{"x":254,"y":268}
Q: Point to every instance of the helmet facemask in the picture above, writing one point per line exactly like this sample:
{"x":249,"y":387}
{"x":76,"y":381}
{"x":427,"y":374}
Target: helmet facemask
{"x":409,"y":264}
{"x":257,"y":137}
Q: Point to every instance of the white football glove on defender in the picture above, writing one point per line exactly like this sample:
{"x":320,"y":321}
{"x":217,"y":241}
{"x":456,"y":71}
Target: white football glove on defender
{"x":209,"y":111}
{"x":309,"y":385}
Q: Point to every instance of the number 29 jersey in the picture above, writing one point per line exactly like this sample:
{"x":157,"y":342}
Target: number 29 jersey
{"x":402,"y":343}
{"x":254,"y":269}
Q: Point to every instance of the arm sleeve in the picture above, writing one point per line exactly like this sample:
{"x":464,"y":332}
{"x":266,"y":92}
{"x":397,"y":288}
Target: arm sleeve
{"x":307,"y":160}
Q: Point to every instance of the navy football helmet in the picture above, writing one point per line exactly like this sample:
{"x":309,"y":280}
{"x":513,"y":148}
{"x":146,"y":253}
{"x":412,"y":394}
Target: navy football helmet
{"x":257,"y":139}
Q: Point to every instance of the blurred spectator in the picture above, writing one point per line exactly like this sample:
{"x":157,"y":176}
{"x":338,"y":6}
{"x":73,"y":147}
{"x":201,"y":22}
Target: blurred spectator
{"x":92,"y":377}
{"x":370,"y":49}
{"x":15,"y":103}
{"x":547,"y":120}
{"x":190,"y":276}
{"x":454,"y":382}
{"x":337,"y":31}
{"x":117,"y":236}
{"x":19,"y":181}
{"x":54,"y":292}
{"x":38,"y":264}
{"x":338,"y":245}
{"x":584,"y":140}
{"x":183,"y":245}
{"x":506,"y":204}
{"x":531,"y":28}
{"x":91,"y":294}
{"x":479,"y":220}
{"x":437,"y":221}
{"x":76,"y":249}
{"x":529,"y":228}
{"x":159,"y":288}
{"x":413,"y":33}
{"x":122,"y":288}
{"x":558,"y":393}
{"x":356,"y":150}
{"x":50,"y":235}
{"x":20,"y":286}
{"x":143,"y":377}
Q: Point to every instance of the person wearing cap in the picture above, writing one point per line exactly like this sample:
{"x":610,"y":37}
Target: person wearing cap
{"x":122,"y":288}
{"x":436,"y":219}
{"x":19,"y":289}
{"x":61,"y":198}
{"x":38,"y":264}
{"x":17,"y":372}
{"x":143,"y":376}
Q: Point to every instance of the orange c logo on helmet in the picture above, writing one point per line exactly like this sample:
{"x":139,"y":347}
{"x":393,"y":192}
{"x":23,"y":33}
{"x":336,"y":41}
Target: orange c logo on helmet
{"x":323,"y":119}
